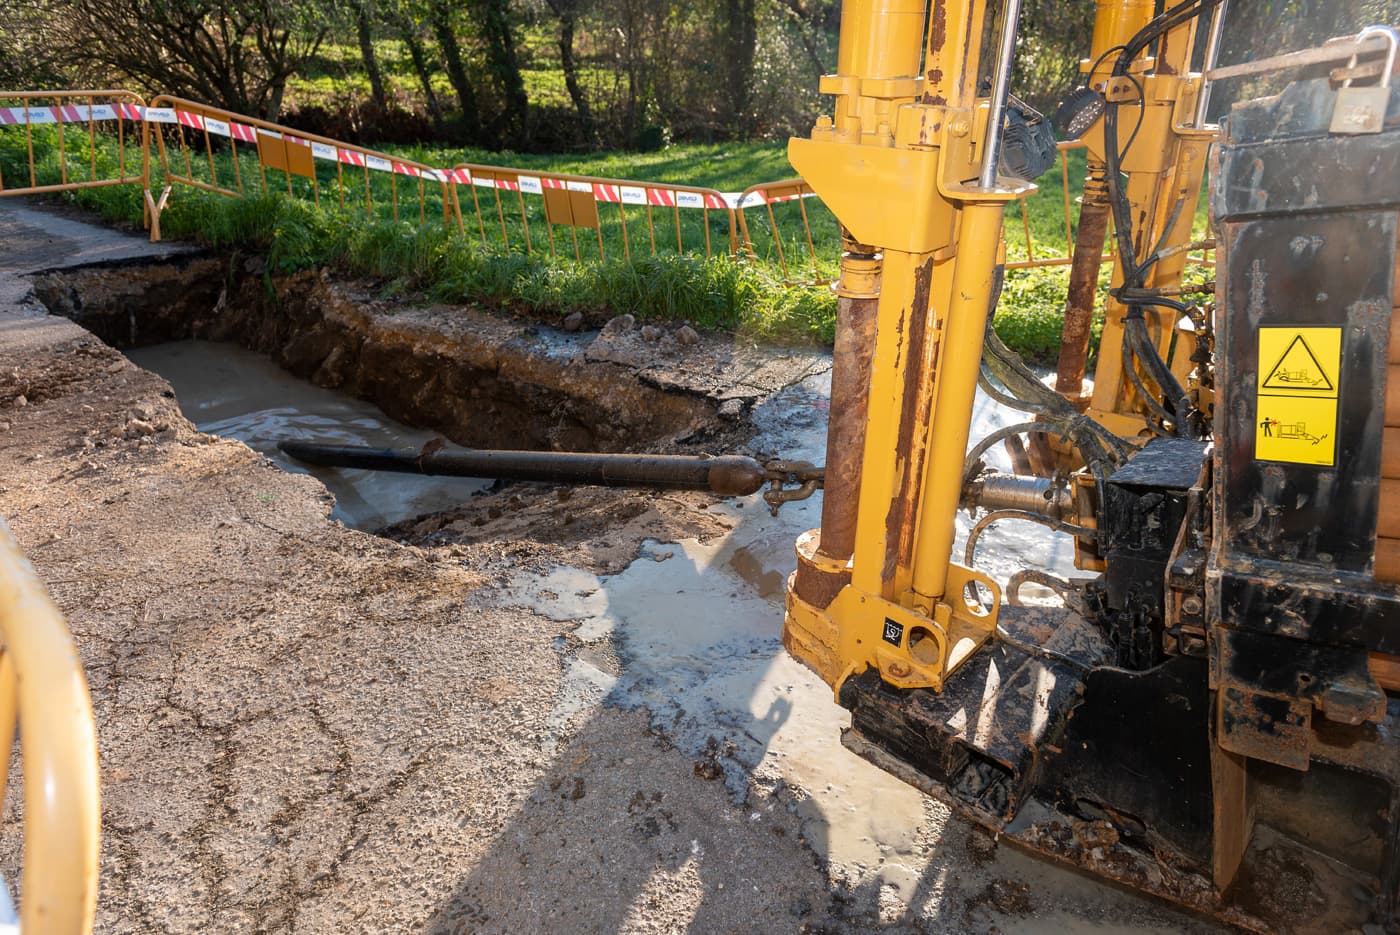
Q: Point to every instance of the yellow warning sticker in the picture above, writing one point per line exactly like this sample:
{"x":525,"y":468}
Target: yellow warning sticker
{"x":1299,"y":430}
{"x":1299,"y":373}
{"x":1299,"y":361}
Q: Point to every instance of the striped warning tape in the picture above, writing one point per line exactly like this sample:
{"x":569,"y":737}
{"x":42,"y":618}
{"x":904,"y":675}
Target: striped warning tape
{"x":601,"y":191}
{"x":67,"y":113}
{"x":534,"y":185}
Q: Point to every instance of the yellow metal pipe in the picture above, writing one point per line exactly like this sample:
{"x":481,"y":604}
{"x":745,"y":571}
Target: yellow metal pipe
{"x":954,"y":41}
{"x":880,"y":38}
{"x":1115,"y":22}
{"x":59,"y":749}
{"x":961,"y":356}
{"x":880,"y":42}
{"x":9,"y":716}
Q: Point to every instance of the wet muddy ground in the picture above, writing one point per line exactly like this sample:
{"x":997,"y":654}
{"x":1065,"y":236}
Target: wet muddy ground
{"x":538,"y":711}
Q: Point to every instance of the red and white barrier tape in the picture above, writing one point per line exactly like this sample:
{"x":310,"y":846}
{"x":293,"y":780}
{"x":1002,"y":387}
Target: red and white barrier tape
{"x":532,"y":185}
{"x":67,"y":113}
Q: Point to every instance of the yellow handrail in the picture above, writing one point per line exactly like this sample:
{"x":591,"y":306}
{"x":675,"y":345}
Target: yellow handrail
{"x":42,"y":681}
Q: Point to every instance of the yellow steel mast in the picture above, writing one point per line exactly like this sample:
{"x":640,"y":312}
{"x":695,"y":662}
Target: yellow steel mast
{"x":908,"y":166}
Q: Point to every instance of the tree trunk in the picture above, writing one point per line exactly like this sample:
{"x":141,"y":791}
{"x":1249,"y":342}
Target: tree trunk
{"x":441,"y":21}
{"x":276,"y":89}
{"x":376,"y":77}
{"x":504,"y":66}
{"x":741,"y":37}
{"x":425,"y":75}
{"x":566,"y":60}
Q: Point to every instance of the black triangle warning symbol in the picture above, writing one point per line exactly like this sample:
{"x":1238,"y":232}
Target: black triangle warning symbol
{"x":1298,"y":369}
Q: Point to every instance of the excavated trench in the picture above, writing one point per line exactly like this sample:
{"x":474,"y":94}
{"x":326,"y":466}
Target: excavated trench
{"x":481,"y":380}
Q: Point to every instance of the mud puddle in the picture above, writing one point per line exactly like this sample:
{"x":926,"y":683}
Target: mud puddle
{"x":228,"y":391}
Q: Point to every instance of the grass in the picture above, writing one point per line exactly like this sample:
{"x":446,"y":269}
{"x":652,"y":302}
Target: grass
{"x":386,"y":226}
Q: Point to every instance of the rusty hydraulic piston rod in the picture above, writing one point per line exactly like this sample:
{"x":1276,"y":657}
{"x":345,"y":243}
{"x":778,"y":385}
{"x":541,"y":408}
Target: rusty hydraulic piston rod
{"x":824,"y":554}
{"x":730,"y":475}
{"x":1083,"y":286}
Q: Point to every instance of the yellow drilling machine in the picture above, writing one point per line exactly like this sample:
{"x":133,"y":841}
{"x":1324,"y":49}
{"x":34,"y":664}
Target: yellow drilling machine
{"x":1207,"y":713}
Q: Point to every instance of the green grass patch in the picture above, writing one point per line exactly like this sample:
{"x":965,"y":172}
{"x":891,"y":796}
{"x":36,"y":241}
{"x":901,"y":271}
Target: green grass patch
{"x":434,"y":261}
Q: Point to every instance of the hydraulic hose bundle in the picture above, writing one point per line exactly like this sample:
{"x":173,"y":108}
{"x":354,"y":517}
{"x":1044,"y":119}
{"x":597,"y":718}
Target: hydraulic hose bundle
{"x":1182,"y":416}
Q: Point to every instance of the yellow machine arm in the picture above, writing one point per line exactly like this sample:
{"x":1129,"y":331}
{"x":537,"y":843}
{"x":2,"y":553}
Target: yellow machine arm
{"x":909,"y":167}
{"x":1162,"y":148}
{"x":42,"y":687}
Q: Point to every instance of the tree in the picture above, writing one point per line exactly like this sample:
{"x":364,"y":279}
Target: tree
{"x":1053,"y":37}
{"x":504,"y":67}
{"x":567,"y":12}
{"x":740,"y":33}
{"x":408,"y":29}
{"x":237,"y":54}
{"x":440,"y":19}
{"x":364,"y":32}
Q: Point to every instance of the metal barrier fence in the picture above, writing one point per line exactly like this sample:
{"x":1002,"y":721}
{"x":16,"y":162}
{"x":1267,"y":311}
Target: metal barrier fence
{"x":777,"y":239}
{"x":588,"y":203}
{"x":301,"y":159}
{"x":43,"y":690}
{"x":780,"y":223}
{"x":72,"y":139}
{"x":1061,"y":257}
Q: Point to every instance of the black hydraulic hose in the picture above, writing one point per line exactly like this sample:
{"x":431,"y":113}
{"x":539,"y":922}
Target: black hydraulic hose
{"x":1128,"y":368}
{"x":1137,"y":341}
{"x":730,"y":475}
{"x":1031,"y":395}
{"x":1163,"y":22}
{"x":1034,"y":396}
{"x":1026,"y":393}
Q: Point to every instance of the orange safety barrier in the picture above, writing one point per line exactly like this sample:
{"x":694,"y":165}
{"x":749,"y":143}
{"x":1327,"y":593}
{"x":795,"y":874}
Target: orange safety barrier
{"x":789,"y":232}
{"x":590,"y":203}
{"x":789,"y":192}
{"x":296,"y":155}
{"x":53,"y":160}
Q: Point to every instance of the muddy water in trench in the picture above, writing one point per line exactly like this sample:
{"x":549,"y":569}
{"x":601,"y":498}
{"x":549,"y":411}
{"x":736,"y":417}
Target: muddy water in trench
{"x":228,"y":391}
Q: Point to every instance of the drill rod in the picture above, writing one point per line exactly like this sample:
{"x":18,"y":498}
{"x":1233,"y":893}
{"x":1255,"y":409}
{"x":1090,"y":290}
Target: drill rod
{"x":730,"y":475}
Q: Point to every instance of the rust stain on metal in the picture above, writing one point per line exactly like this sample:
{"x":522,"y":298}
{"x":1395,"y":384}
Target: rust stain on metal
{"x":937,"y":28}
{"x":915,"y":404}
{"x":1083,"y":287}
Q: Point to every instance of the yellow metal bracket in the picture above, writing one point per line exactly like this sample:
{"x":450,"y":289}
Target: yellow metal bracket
{"x":859,"y":183}
{"x":912,"y":647}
